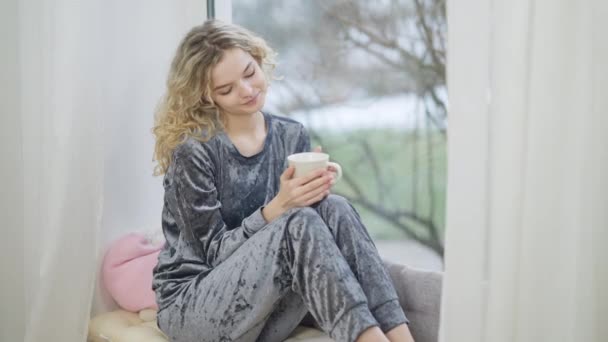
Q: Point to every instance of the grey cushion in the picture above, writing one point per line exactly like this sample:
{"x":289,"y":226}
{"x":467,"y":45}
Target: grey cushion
{"x":419,"y":294}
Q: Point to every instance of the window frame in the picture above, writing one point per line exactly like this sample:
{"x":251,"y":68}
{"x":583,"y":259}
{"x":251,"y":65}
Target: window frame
{"x":221,"y":10}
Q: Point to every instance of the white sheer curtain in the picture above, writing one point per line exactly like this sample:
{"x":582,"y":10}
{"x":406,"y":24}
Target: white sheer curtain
{"x":80,"y":80}
{"x":60,"y":106}
{"x":527,"y":225}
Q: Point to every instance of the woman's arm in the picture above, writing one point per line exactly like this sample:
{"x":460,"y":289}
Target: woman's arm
{"x":193,"y":201}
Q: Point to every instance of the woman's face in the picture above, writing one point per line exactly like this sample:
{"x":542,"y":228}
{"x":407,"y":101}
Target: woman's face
{"x":238,"y":85}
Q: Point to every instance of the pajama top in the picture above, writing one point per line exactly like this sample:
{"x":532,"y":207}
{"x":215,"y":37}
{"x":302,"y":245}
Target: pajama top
{"x":213,"y":201}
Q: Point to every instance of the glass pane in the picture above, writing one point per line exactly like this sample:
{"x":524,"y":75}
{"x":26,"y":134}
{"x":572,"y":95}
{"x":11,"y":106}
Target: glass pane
{"x":367,"y":78}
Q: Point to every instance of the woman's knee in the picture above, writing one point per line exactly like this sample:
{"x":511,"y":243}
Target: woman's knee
{"x":307,"y":212}
{"x":304,"y":219}
{"x":336,"y":201}
{"x":335,"y":204}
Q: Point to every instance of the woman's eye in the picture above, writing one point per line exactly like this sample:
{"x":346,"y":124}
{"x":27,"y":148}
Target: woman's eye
{"x":247,"y":76}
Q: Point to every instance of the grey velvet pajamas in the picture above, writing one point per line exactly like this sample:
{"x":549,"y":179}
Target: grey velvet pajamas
{"x":225,"y":274}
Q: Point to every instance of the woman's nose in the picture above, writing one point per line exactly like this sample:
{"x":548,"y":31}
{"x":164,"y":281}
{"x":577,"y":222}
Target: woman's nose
{"x":246,"y":89}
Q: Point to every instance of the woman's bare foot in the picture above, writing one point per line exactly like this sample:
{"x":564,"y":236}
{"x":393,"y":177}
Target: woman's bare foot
{"x":373,"y":334}
{"x":400,"y":333}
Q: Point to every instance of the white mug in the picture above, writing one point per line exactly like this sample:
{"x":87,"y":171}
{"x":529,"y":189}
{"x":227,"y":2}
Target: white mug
{"x":307,"y":162}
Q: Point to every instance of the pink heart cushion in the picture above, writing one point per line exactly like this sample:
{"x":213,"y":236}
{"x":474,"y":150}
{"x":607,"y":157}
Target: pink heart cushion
{"x":127,"y":271}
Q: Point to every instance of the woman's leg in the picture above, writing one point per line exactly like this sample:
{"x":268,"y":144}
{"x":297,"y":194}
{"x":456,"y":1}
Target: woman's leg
{"x":265,"y":288}
{"x":357,"y":247}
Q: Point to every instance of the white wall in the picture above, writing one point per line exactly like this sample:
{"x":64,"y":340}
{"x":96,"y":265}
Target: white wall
{"x":140,"y":43}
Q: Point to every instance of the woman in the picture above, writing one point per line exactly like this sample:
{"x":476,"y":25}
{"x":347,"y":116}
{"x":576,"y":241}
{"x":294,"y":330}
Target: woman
{"x":251,"y":250}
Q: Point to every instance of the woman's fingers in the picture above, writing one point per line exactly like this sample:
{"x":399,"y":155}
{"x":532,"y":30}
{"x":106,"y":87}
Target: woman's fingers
{"x":308,"y":178}
{"x":316,"y":199}
{"x":321,"y":182}
{"x":288,"y":173}
{"x":314,"y":196}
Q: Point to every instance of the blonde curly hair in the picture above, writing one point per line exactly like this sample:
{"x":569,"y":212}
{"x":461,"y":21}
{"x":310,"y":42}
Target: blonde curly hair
{"x":187,"y":108}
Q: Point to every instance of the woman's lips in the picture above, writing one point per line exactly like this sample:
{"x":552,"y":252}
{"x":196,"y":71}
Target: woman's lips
{"x":253,"y":101}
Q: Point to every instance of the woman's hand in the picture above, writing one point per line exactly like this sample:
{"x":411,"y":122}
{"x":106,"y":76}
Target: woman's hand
{"x":298,"y":192}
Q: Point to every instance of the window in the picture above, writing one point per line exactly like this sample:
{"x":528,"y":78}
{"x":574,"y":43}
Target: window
{"x":367,"y":78}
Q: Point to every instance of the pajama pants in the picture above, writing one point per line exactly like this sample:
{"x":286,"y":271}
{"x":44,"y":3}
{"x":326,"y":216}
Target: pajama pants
{"x":316,"y":260}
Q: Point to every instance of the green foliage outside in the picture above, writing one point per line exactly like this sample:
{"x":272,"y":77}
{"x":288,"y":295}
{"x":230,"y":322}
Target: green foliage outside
{"x":394,"y":151}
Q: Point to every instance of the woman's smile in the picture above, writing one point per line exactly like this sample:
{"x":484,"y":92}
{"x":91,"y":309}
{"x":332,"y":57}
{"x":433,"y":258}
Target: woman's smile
{"x":254,"y":100}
